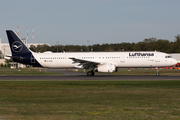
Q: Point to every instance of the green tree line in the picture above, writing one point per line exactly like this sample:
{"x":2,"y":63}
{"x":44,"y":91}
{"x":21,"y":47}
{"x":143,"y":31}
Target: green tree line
{"x":150,"y":44}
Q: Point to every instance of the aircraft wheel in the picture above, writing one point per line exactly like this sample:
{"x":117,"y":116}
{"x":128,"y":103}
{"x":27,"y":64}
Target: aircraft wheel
{"x":157,"y":74}
{"x":90,"y":73}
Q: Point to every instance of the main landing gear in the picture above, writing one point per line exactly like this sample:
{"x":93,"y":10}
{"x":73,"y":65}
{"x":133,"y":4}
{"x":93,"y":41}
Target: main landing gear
{"x":90,"y":73}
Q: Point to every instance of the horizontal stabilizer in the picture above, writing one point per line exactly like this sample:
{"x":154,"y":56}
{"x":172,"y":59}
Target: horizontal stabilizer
{"x":14,"y":57}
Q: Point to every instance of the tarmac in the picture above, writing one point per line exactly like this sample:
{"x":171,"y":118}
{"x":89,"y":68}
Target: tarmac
{"x":69,"y":75}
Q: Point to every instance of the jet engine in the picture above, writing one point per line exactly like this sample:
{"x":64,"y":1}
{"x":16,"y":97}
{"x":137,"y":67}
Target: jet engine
{"x":109,"y":67}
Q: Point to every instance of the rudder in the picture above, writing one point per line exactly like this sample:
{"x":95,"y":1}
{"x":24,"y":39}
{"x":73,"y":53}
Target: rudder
{"x":16,"y":45}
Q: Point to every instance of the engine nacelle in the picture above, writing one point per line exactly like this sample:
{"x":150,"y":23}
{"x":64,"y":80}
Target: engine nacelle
{"x":109,"y":67}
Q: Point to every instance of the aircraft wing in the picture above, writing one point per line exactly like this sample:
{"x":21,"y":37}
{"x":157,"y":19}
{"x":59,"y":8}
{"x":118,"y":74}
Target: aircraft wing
{"x":85,"y":63}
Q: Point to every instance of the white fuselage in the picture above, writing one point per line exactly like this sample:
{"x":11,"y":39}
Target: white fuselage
{"x":119,"y":59}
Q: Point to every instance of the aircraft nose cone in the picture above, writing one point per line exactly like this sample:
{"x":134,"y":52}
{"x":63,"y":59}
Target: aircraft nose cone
{"x":174,"y":61}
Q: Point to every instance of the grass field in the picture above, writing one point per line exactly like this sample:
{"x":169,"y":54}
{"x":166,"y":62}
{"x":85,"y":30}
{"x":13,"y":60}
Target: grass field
{"x":70,"y":100}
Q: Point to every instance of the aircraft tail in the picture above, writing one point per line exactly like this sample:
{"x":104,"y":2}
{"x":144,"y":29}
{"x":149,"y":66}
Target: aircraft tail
{"x":16,"y":45}
{"x":20,"y":53}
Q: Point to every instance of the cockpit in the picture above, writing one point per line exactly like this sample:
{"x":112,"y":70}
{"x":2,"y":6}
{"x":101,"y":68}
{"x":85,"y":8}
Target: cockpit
{"x":168,"y":56}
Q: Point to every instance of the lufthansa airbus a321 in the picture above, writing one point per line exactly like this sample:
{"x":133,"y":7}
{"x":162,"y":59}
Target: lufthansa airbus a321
{"x":93,"y":61}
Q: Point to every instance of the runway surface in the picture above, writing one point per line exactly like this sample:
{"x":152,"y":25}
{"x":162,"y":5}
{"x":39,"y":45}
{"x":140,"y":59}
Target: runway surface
{"x":69,"y":75}
{"x":97,"y":77}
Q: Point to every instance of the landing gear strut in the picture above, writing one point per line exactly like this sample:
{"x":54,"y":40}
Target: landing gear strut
{"x":157,"y":72}
{"x":90,"y":73}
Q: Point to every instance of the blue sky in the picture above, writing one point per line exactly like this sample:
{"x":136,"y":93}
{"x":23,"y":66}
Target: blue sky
{"x":73,"y":22}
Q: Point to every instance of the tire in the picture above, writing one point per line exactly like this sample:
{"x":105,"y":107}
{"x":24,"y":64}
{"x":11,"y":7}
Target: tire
{"x":90,"y":73}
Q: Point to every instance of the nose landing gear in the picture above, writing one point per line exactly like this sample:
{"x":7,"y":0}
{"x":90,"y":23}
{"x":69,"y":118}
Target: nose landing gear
{"x":157,"y":71}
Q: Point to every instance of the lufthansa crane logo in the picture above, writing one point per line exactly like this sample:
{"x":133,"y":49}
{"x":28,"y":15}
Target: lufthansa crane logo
{"x":17,"y":46}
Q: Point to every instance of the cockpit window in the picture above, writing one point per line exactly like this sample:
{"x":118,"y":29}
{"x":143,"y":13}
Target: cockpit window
{"x":168,"y":57}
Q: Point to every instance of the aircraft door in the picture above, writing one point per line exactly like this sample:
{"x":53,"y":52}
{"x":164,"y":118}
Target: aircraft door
{"x":79,"y":57}
{"x":157,"y":57}
{"x":122,"y":59}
